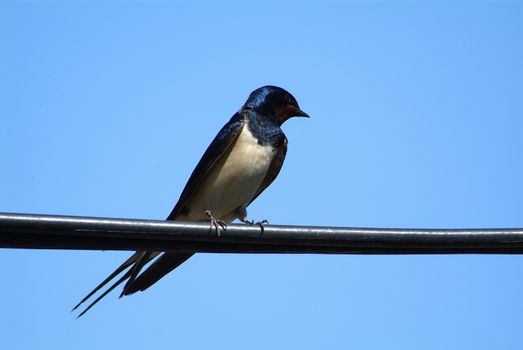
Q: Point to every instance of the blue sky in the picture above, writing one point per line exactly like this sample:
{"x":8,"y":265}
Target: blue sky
{"x":417,"y":121}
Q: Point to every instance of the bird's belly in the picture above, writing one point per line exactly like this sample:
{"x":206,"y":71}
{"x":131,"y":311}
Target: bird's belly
{"x":234,"y":181}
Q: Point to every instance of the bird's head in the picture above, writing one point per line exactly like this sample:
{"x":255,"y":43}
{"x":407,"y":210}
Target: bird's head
{"x":275,"y":101}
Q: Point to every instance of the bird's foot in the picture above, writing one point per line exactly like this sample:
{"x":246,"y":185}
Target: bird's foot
{"x":259,"y":223}
{"x":216,"y":224}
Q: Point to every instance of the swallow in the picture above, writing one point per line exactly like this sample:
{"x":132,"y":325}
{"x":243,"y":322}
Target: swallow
{"x":241,"y":162}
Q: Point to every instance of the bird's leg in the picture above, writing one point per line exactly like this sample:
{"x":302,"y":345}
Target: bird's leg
{"x":215,"y":223}
{"x":259,"y":223}
{"x":247,"y":222}
{"x":262,"y":226}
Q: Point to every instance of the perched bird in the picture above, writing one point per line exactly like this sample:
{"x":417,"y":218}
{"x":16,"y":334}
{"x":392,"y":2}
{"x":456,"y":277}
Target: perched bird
{"x":240,"y":163}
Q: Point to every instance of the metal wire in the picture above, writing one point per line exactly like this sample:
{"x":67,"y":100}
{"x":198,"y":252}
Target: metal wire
{"x":87,"y":233}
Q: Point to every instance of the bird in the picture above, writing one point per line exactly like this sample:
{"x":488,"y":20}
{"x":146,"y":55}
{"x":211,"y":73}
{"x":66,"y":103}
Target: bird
{"x":240,"y":163}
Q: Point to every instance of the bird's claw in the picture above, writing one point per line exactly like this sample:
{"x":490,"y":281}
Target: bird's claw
{"x":259,"y":223}
{"x":215,"y":223}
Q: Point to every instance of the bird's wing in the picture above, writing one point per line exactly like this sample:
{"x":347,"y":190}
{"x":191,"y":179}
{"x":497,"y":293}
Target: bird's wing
{"x":159,"y":268}
{"x":169,"y":261}
{"x":274,"y":169}
{"x":219,"y":147}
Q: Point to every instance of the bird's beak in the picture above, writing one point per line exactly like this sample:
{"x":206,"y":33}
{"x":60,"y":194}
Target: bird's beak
{"x":299,"y":113}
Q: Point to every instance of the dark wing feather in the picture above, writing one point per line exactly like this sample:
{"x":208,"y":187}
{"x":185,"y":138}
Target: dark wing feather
{"x":144,"y":258}
{"x":274,"y":169}
{"x":219,"y":146}
{"x":159,"y":268}
{"x":169,"y":261}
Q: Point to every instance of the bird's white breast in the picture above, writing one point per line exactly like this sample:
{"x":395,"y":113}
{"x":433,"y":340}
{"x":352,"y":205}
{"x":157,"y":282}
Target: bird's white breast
{"x":234,"y":180}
